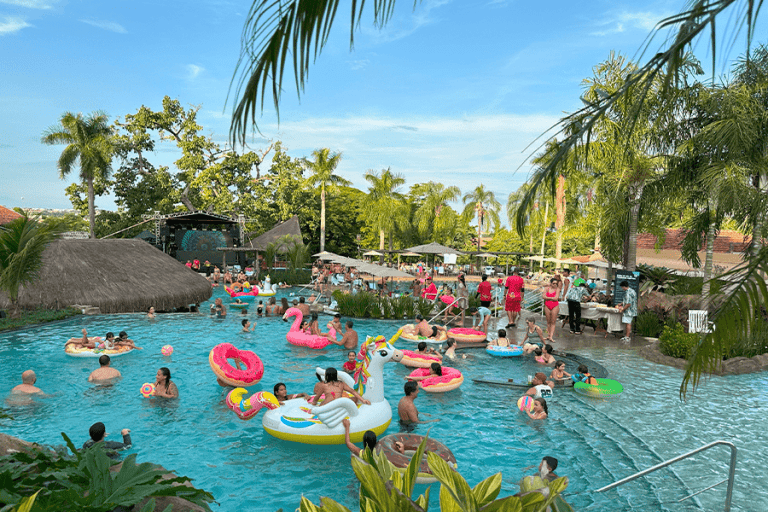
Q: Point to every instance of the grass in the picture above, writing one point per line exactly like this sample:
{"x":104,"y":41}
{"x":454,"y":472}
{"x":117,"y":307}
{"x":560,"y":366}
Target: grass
{"x":37,"y":316}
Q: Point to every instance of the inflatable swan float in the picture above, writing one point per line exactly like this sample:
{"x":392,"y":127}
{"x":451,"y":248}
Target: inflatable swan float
{"x":300,"y":338}
{"x":296,"y":420}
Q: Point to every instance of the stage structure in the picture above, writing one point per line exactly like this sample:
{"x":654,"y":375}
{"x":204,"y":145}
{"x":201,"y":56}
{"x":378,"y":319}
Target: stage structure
{"x":197,"y":235}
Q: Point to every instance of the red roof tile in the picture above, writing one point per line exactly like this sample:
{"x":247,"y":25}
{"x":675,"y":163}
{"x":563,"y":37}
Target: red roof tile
{"x":727,"y":241}
{"x":7,"y":215}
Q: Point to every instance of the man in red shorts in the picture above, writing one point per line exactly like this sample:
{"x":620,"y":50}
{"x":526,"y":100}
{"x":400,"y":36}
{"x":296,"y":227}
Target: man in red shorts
{"x":514,"y":297}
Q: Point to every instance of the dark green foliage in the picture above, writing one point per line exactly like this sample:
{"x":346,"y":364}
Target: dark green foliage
{"x":657,"y":279}
{"x":675,"y":342}
{"x":648,"y":324}
{"x":424,"y":307}
{"x":754,"y":344}
{"x":369,"y":305}
{"x":38,"y":316}
{"x":84,"y":481}
{"x":291,"y":277}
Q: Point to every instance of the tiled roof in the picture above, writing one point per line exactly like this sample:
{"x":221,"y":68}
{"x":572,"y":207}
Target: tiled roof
{"x":727,"y":241}
{"x":7,"y":215}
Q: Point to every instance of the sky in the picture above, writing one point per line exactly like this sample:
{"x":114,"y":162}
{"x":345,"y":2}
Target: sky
{"x":449,"y":91}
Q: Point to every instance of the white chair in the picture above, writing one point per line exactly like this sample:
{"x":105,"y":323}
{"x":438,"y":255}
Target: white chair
{"x":698,"y":320}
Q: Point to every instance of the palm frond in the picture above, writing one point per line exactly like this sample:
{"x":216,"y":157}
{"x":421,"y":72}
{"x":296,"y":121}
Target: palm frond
{"x":743,"y":305}
{"x":275,"y":29}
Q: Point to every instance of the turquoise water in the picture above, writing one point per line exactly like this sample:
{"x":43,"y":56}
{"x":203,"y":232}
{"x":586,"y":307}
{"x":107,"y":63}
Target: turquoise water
{"x":596,"y":442}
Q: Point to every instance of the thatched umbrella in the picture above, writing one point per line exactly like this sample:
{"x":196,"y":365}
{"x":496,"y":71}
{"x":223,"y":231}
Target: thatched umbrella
{"x":117,"y":276}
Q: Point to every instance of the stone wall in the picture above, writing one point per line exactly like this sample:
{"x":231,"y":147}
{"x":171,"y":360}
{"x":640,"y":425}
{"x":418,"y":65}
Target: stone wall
{"x":734,"y":366}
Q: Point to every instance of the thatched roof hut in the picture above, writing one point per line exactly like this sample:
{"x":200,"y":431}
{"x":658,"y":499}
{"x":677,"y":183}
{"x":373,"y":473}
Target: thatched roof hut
{"x":288,"y":227}
{"x":118,"y":276}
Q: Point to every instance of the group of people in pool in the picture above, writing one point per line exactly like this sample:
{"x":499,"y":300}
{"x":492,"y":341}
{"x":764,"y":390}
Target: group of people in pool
{"x":108,"y":343}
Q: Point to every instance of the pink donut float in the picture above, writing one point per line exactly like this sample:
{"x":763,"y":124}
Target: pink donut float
{"x":417,"y":360}
{"x":218,"y":359}
{"x":450,"y":380}
{"x":448,"y":299}
{"x":466,"y":335}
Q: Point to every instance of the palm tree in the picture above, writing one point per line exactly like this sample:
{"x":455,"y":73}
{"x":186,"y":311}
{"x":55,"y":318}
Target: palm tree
{"x":89,"y":145}
{"x":483,"y":204}
{"x":384,"y":206}
{"x":434,"y":206}
{"x":22,"y":243}
{"x":322,"y":169}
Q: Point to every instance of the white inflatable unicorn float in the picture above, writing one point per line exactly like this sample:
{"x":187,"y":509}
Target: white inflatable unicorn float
{"x":296,"y":420}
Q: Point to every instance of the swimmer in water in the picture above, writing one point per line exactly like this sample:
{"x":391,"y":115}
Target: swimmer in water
{"x":247,"y":324}
{"x":122,"y":340}
{"x":545,"y":356}
{"x":541,"y":387}
{"x":27,"y":386}
{"x":406,"y":409}
{"x":435,"y":370}
{"x":450,"y":351}
{"x":534,"y":336}
{"x":502,"y":340}
{"x":540,"y":411}
{"x":349,"y":366}
{"x":369,"y":440}
{"x":584,"y":376}
{"x":151,"y":312}
{"x":282,"y":395}
{"x":163,"y":385}
{"x":422,"y":348}
{"x":559,"y":375}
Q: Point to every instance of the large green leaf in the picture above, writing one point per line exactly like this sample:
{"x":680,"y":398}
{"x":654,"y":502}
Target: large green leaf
{"x":453,"y":481}
{"x":487,"y":490}
{"x":412,"y":471}
{"x":508,"y":504}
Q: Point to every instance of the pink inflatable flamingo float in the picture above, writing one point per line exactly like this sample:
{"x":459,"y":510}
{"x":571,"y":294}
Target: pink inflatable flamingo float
{"x":299,"y":338}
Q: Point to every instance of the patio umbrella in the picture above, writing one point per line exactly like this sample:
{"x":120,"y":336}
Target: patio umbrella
{"x":325,"y":255}
{"x":372,"y":253}
{"x":432,"y":248}
{"x":485,"y":255}
{"x":409,"y":253}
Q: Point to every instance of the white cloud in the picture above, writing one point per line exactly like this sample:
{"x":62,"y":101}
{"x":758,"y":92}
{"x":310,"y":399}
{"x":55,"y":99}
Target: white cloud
{"x":12,"y":24}
{"x":356,"y":65}
{"x":107,"y":25}
{"x":30,"y":4}
{"x":193,"y":71}
{"x":646,"y":20}
{"x":399,"y":27}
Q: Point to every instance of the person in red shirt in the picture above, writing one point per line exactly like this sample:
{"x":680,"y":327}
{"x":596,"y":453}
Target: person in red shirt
{"x":484,"y":292}
{"x":514,"y":297}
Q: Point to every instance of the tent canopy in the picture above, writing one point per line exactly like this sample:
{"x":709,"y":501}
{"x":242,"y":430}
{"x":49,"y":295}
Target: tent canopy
{"x":432,"y":248}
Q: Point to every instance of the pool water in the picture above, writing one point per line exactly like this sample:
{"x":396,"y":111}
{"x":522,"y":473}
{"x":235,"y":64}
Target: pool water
{"x":596,"y":441}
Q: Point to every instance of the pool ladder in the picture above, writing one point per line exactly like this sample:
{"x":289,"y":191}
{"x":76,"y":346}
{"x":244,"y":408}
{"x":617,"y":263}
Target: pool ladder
{"x":731,"y":472}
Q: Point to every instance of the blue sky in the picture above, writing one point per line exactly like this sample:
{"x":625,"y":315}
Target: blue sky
{"x":451,"y":91}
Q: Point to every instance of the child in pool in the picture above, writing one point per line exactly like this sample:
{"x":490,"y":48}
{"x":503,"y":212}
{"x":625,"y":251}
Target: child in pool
{"x":349,"y":366}
{"x":502,"y":340}
{"x":559,"y":375}
{"x":584,"y":376}
{"x":540,"y":411}
{"x":545,"y":356}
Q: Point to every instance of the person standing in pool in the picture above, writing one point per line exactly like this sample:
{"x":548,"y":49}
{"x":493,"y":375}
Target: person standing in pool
{"x":406,"y":408}
{"x":540,"y":410}
{"x":349,"y":340}
{"x":151,"y":312}
{"x":369,"y":440}
{"x":98,"y":432}
{"x":542,"y":388}
{"x":104,"y":373}
{"x":27,"y":386}
{"x":246,"y":324}
{"x":163,"y":385}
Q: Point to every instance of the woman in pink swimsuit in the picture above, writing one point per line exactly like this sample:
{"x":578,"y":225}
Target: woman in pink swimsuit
{"x":551,"y":307}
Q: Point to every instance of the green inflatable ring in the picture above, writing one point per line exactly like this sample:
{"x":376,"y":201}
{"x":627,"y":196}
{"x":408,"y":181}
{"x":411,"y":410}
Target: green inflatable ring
{"x":605,"y":388}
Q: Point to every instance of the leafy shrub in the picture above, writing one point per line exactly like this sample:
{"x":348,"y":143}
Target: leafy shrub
{"x":84,"y":481}
{"x":384,"y":488}
{"x":756,"y":344}
{"x":675,"y":342}
{"x":648,"y":324}
{"x":37,"y":316}
{"x":402,"y":307}
{"x":424,"y":307}
{"x":291,"y":277}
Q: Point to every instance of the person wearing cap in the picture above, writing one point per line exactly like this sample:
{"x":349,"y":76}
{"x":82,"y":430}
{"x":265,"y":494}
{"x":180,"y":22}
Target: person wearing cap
{"x":98,"y":432}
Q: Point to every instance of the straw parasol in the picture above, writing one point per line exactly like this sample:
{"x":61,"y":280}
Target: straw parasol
{"x":432,"y":248}
{"x":372,"y":253}
{"x":117,"y":275}
{"x":325,"y":255}
{"x":409,"y":253}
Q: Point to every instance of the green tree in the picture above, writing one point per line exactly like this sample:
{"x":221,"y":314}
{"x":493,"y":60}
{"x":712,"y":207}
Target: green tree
{"x":322,"y":168}
{"x":88,"y":146}
{"x":482,"y":203}
{"x":384,"y":208}
{"x":22,"y":243}
{"x":434,"y":213}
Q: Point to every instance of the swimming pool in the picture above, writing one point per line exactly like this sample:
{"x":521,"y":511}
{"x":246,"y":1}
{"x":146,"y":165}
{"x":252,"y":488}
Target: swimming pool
{"x":596,"y":442}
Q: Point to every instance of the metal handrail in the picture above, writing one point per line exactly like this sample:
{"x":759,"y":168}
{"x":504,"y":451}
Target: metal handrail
{"x":731,"y":471}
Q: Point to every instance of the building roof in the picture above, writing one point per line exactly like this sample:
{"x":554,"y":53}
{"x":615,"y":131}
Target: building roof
{"x":118,"y":275}
{"x":289,"y":227}
{"x":7,"y":215}
{"x":726,"y":241}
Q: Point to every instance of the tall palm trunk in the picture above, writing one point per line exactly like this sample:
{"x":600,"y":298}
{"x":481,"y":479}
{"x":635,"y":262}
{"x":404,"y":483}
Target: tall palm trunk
{"x":560,"y":220}
{"x":762,"y":188}
{"x":381,"y":246}
{"x":544,"y":235}
{"x":635,"y":193}
{"x":322,"y":218}
{"x":91,"y":209}
{"x":479,"y":225}
{"x":709,"y":259}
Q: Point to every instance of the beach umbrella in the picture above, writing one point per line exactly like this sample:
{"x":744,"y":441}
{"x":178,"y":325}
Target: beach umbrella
{"x":325,"y":255}
{"x":432,"y":248}
{"x":372,"y":253}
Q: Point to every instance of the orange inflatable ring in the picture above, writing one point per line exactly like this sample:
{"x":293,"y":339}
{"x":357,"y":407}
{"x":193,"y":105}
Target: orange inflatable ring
{"x":467,"y":335}
{"x":418,"y":360}
{"x":450,"y":380}
{"x":410,"y":333}
{"x":231,"y":375}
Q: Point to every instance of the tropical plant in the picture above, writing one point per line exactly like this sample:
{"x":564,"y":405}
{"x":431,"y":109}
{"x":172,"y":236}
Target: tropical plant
{"x":85,"y":482}
{"x":424,"y":307}
{"x":382,"y":487}
{"x":657,"y":279}
{"x":88,"y":146}
{"x":22,"y":243}
{"x":322,"y":168}
{"x":648,"y":324}
{"x":675,"y":342}
{"x":270,"y":253}
{"x":434,"y":213}
{"x":482,"y":204}
{"x":384,"y":206}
